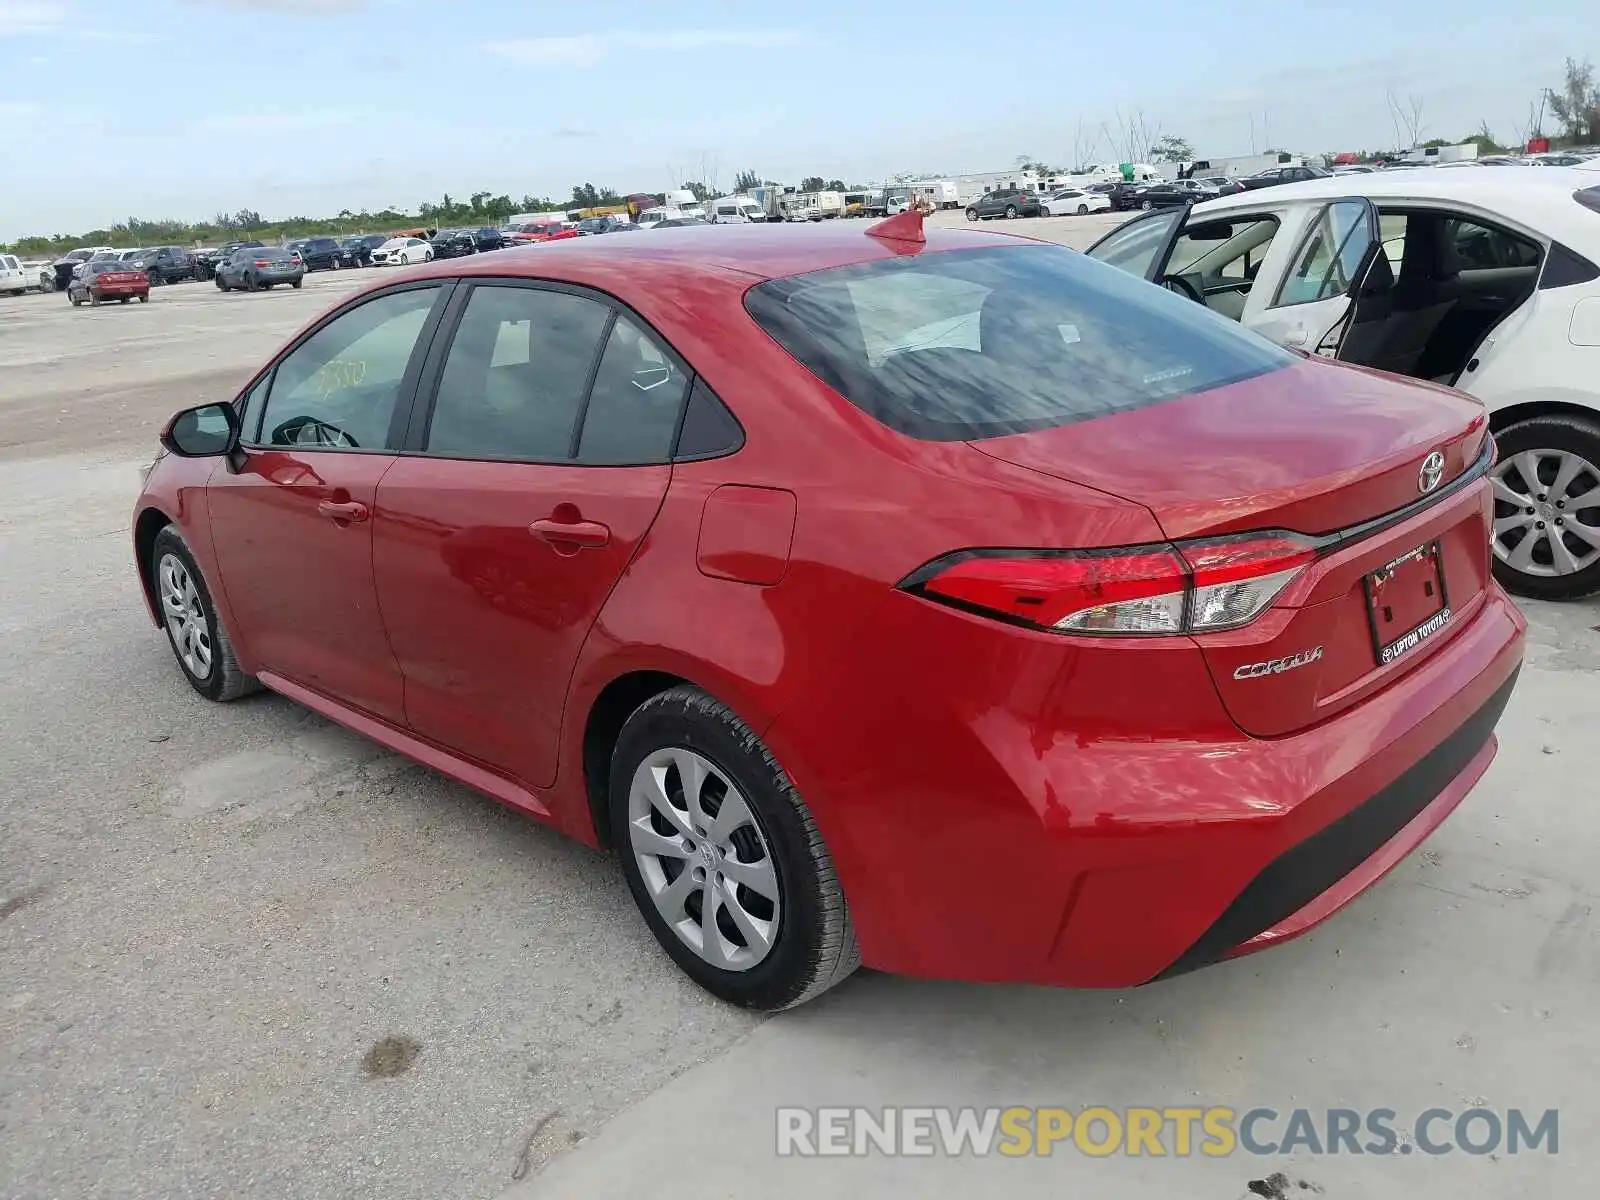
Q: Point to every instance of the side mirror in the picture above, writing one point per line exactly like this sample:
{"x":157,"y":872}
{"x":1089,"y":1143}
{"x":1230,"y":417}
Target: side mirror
{"x":206,"y":431}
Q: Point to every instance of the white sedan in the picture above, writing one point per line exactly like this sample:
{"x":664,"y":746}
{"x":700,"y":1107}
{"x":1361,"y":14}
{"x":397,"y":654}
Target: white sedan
{"x":402,"y":252}
{"x":1076,"y":200}
{"x":1488,"y":281}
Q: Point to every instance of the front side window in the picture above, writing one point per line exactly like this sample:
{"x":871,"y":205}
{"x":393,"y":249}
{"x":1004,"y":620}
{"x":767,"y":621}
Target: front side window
{"x":515,"y":377}
{"x":338,"y":389}
{"x":1331,"y":256}
{"x":1134,"y":247}
{"x":983,"y":343}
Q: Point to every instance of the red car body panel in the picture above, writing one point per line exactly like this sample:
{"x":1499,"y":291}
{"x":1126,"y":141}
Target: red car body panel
{"x":1000,"y":802}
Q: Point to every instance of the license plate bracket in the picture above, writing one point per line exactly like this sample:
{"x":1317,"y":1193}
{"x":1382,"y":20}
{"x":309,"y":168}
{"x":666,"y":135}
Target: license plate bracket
{"x":1407,"y":602}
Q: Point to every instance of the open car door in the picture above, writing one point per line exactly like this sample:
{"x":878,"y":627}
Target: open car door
{"x":1337,"y":279}
{"x":1143,"y":245}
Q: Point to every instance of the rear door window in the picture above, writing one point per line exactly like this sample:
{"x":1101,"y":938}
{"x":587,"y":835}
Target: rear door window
{"x":1330,"y":256}
{"x":515,"y":377}
{"x":982,"y":343}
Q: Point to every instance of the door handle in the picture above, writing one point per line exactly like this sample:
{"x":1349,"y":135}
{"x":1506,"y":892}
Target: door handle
{"x":584,"y":535}
{"x":348,"y":510}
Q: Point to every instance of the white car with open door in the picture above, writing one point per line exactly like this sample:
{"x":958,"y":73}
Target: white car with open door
{"x":1075,"y":201}
{"x":1483,"y":280}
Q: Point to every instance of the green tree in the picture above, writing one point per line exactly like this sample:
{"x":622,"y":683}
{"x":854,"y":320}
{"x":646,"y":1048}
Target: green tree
{"x":1171,"y":148}
{"x":1577,"y":104}
{"x":701,"y":192}
{"x":813,"y":183}
{"x":745,"y":180}
{"x":836,"y":185}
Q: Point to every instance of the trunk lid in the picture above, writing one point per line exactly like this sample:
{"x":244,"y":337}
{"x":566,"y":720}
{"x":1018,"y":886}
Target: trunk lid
{"x":1317,"y":448}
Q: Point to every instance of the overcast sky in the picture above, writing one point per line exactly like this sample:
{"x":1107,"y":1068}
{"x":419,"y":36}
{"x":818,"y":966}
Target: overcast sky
{"x":179,"y":108}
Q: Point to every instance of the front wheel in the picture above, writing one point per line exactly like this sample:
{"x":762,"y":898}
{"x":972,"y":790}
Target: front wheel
{"x":199,"y":640}
{"x":1546,"y":538}
{"x":723,"y":858}
{"x":972,"y":214}
{"x":1146,"y":205}
{"x":221,"y":286}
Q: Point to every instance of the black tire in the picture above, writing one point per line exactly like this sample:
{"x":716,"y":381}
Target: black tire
{"x":1575,"y":435}
{"x":296,"y":284}
{"x":972,"y":214}
{"x":250,"y":284}
{"x":124,"y":299}
{"x":1011,"y":212}
{"x":75,"y":298}
{"x":94,"y":301}
{"x":1083,"y":210}
{"x":1146,"y":205}
{"x":224,"y":680}
{"x":221,"y":284}
{"x":144,"y":297}
{"x":815,"y":947}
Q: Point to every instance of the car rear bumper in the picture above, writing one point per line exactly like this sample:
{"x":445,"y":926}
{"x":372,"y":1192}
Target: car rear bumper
{"x":112,"y":290}
{"x":985,"y":847}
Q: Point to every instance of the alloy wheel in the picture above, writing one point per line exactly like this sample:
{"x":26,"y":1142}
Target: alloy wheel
{"x":185,"y":617}
{"x":1547,"y":512}
{"x":704,"y":859}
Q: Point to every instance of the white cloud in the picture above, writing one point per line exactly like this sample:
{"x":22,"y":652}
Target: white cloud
{"x":588,"y":49}
{"x":274,"y":121}
{"x":37,"y":18}
{"x":13,"y":110}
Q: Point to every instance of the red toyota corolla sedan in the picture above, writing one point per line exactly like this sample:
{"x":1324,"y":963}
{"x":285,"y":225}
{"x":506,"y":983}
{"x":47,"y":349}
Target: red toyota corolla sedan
{"x":960,"y":606}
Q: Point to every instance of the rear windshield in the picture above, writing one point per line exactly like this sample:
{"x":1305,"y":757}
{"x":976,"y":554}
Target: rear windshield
{"x":981,"y":343}
{"x":322,"y":244}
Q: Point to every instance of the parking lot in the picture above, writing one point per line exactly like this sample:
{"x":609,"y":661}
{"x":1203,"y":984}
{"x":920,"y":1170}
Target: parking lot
{"x":245,"y":953}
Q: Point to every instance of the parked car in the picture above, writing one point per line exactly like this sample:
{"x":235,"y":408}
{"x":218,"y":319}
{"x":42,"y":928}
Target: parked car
{"x":1004,"y":202}
{"x":1123,"y":195}
{"x":41,"y":274}
{"x":1076,"y":200}
{"x":357,"y":251}
{"x":1488,"y":281}
{"x":588,"y":584}
{"x":108,"y":279}
{"x":259,"y":268}
{"x":533,"y":235}
{"x":71,"y":261}
{"x":207,"y":261}
{"x":14,"y":280}
{"x":590,"y":226}
{"x":402,"y":252}
{"x":1554,"y":160}
{"x":454,"y":243}
{"x":317,"y":253}
{"x":489,"y":239}
{"x":1223,"y":185}
{"x":1274,"y":176}
{"x":1173,"y":193}
{"x":681,"y":222}
{"x":166,"y":264}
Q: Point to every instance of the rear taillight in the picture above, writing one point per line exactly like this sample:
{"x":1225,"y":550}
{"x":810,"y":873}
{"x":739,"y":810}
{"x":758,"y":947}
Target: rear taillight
{"x":262,"y":262}
{"x":1187,"y":587}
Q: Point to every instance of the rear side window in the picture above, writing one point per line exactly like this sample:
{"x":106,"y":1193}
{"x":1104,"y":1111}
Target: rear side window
{"x":634,"y":402}
{"x":1588,"y":197}
{"x":515,"y":378}
{"x":981,"y":343}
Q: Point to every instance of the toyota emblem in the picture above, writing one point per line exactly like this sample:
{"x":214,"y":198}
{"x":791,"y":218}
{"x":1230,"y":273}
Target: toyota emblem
{"x":1432,"y":472}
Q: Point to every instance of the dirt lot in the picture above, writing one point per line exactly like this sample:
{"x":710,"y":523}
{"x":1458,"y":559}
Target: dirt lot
{"x":244,"y":953}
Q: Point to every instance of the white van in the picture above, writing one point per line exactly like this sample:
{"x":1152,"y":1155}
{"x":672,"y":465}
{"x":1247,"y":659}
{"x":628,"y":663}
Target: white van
{"x":736,"y":210}
{"x":13,"y":279}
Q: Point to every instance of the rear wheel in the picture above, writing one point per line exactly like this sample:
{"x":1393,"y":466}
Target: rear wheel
{"x":221,"y":285}
{"x":1011,"y":212}
{"x":296,"y":284}
{"x":1546,"y":538}
{"x":723,"y":858}
{"x":124,"y":299}
{"x":1083,"y":210}
{"x":144,"y":297}
{"x":94,"y":300}
{"x":1146,"y":205}
{"x":75,"y":298}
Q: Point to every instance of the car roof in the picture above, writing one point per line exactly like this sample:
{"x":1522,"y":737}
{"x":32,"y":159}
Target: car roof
{"x":1540,"y":197}
{"x":757,"y":251}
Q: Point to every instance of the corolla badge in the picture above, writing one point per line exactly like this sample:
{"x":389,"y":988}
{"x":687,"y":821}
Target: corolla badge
{"x":1432,"y":472}
{"x":1277,"y":666}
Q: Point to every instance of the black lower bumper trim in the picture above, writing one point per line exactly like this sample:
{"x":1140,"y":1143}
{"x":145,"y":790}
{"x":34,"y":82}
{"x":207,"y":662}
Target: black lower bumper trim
{"x":1303,"y":872}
